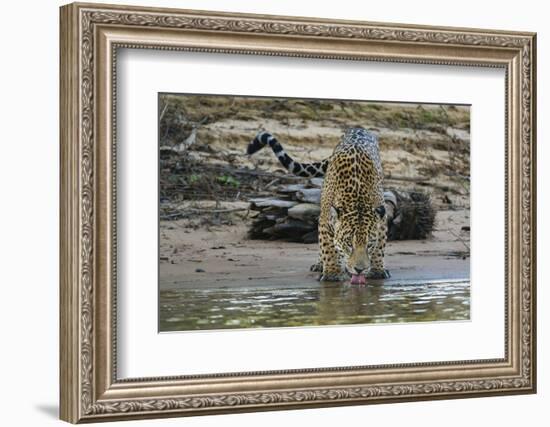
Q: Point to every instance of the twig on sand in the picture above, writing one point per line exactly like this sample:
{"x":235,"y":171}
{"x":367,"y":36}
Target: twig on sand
{"x":253,"y":172}
{"x":270,"y":183}
{"x":163,"y":112}
{"x":183,"y":212}
{"x":195,"y":210}
{"x":460,"y":239}
{"x":407,"y":178}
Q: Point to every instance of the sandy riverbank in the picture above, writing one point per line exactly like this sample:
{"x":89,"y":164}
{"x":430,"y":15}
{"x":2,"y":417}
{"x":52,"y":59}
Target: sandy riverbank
{"x":223,"y":256}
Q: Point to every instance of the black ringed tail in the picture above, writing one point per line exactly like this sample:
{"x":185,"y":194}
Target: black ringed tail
{"x":308,"y":170}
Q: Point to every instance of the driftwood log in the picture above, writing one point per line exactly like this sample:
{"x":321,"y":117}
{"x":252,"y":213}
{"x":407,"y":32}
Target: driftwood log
{"x":293,"y":214}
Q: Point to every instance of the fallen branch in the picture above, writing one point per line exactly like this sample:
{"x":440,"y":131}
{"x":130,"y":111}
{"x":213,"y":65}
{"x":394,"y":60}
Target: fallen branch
{"x":410,"y":215}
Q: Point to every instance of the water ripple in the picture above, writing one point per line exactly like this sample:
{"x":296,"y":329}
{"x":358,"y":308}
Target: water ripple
{"x":325,"y":304}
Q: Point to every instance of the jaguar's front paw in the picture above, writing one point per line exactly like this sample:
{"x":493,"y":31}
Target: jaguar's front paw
{"x":318,"y":266}
{"x":378,"y":274}
{"x":333,"y":277}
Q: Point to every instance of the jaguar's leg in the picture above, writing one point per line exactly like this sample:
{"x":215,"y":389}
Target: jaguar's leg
{"x":318,"y":266}
{"x":330,"y":257}
{"x":376,"y":253}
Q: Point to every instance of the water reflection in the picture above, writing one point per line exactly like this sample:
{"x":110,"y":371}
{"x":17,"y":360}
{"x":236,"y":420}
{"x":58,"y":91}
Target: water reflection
{"x":324,"y":304}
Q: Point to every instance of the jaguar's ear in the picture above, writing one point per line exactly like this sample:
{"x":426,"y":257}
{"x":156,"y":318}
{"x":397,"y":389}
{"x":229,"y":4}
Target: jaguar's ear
{"x":334,"y":212}
{"x":381,"y":211}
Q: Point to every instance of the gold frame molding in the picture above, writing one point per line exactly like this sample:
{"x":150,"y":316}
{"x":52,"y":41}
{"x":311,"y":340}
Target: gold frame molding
{"x":90,"y":36}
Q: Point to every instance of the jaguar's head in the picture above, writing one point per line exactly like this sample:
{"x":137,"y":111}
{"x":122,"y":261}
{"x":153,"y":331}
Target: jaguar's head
{"x":352,"y":228}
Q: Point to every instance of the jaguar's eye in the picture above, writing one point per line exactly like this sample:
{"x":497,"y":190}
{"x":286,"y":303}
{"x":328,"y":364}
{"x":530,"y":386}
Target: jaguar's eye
{"x":381,"y":211}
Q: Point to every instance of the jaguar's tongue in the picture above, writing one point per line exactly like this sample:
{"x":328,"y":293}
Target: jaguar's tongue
{"x":358,"y":279}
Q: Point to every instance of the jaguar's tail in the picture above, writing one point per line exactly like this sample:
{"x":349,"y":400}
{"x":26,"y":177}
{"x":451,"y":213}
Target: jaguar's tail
{"x":309,"y":170}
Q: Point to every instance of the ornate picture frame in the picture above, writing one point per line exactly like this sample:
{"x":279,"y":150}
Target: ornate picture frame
{"x":90,"y":37}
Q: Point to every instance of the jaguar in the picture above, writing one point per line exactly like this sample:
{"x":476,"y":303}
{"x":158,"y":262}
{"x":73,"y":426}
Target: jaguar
{"x":352,"y":220}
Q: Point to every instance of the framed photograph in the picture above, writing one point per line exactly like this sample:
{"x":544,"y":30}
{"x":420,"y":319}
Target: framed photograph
{"x":267,"y":212}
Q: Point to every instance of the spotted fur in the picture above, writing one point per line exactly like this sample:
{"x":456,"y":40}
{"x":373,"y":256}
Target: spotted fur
{"x":352,"y":222}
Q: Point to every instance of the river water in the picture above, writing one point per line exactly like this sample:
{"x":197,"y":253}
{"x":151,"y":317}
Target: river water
{"x":183,"y":309}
